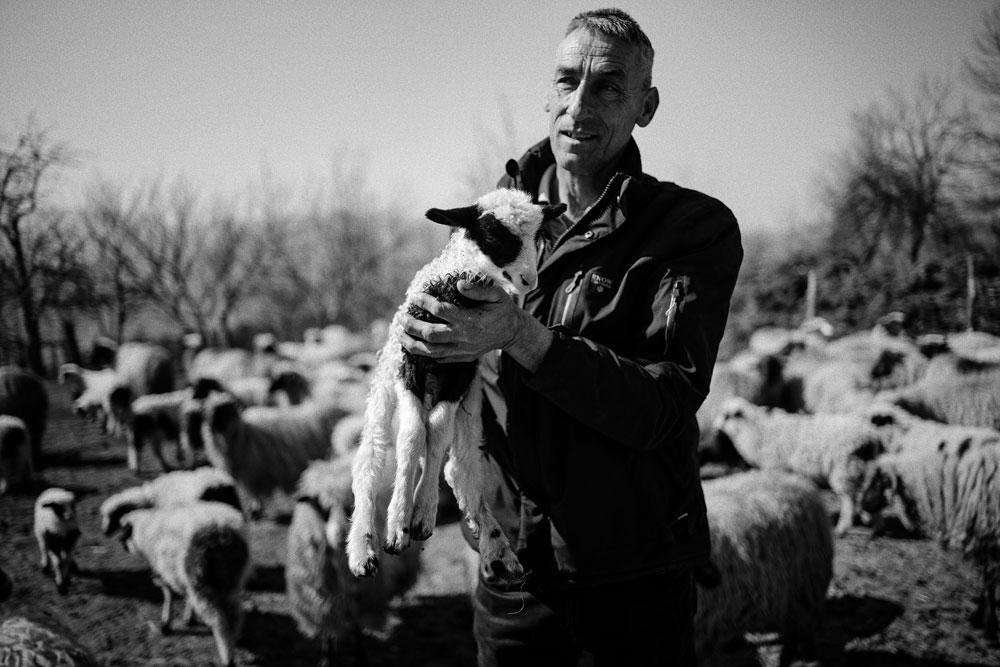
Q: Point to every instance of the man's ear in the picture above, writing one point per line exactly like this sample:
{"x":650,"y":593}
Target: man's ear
{"x":650,"y":103}
{"x":454,"y":217}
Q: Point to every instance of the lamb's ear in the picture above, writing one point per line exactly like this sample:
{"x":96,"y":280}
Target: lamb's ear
{"x":454,"y":217}
{"x":125,"y":535}
{"x":550,"y":211}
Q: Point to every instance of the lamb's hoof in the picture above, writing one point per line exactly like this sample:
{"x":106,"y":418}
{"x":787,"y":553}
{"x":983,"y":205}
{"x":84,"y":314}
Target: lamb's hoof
{"x":396,"y":541}
{"x":366,"y":568}
{"x":421,"y":531}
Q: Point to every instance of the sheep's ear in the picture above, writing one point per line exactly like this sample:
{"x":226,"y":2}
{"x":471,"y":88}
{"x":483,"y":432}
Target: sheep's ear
{"x":550,"y":211}
{"x":454,"y":217}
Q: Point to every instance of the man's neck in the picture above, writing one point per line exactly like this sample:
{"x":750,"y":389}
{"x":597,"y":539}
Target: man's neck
{"x":580,"y":192}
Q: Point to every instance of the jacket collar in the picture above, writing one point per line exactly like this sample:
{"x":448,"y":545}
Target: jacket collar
{"x":538,"y":158}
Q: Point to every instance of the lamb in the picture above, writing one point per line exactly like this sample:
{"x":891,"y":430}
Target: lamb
{"x":266,"y":449}
{"x":199,"y":551}
{"x":771,"y":563}
{"x":91,"y":393}
{"x":326,"y":601}
{"x":180,"y":487}
{"x":56,"y":531}
{"x":955,"y":498}
{"x":830,"y":449}
{"x":15,"y":453}
{"x":153,"y":418}
{"x":439,"y":404}
{"x":23,"y":395}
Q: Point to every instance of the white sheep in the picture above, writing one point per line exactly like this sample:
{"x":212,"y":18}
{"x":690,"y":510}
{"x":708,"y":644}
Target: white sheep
{"x":23,"y":395}
{"x":265,"y":449}
{"x":439,"y":405}
{"x":199,"y":551}
{"x":16,"y":467}
{"x":954,"y":497}
{"x":830,"y":449}
{"x":57,"y":532}
{"x":771,"y":563}
{"x":971,"y":397}
{"x":180,"y":487}
{"x":325,"y":599}
{"x":905,"y":432}
{"x":154,"y":418}
{"x":91,"y":393}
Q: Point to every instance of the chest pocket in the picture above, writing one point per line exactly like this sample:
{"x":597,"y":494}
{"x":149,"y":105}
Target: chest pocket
{"x":583,"y":296}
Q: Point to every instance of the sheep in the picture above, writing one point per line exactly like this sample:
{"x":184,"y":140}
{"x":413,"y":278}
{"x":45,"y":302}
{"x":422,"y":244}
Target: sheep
{"x":142,"y":368}
{"x":91,"y":393}
{"x":56,"y":531}
{"x":153,"y":418}
{"x":41,"y":642}
{"x":812,"y":333}
{"x":16,"y":468}
{"x":830,"y":449}
{"x":266,"y":449}
{"x":180,"y":487}
{"x":201,"y":552}
{"x":325,"y":600}
{"x":903,"y":432}
{"x":439,"y":404}
{"x":771,"y":563}
{"x":23,"y":395}
{"x":953,"y":496}
{"x":967,"y":398}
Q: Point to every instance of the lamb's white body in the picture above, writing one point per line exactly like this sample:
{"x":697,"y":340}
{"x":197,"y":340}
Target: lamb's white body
{"x":199,"y":551}
{"x":91,"y":393}
{"x":56,"y":531}
{"x":830,"y":449}
{"x":181,"y":487}
{"x":154,"y":418}
{"x":429,"y":428}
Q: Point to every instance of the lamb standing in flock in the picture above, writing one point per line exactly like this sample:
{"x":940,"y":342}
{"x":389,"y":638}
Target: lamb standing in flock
{"x":56,"y":532}
{"x":439,"y":404}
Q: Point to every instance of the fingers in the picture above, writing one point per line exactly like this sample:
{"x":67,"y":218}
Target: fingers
{"x":480,"y":292}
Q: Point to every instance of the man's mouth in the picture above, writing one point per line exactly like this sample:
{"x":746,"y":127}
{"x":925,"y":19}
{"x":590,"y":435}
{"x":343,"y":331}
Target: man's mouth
{"x":579,"y":135}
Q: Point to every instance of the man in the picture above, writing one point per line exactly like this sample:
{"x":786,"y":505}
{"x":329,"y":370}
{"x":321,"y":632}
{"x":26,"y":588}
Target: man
{"x":592,"y":421}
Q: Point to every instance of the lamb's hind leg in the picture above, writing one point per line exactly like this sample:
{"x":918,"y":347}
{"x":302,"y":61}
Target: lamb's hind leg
{"x":441,"y":430}
{"x":467,"y":474}
{"x":411,"y":445}
{"x":366,"y":475}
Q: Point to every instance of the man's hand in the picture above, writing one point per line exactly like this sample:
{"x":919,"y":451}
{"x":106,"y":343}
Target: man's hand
{"x":495,"y":323}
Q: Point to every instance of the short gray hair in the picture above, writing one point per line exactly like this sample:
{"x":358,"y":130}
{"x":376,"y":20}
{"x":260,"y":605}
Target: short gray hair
{"x":616,"y":23}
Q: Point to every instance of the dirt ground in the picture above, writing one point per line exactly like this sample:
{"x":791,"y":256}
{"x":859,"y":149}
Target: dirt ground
{"x":894,"y":602}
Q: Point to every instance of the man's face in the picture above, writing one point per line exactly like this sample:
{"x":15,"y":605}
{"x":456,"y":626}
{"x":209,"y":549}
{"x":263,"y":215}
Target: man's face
{"x":597,"y":97}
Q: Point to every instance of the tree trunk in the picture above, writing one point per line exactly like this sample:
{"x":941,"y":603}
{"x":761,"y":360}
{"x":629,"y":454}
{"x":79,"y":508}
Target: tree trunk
{"x":70,"y":342}
{"x":32,"y":331}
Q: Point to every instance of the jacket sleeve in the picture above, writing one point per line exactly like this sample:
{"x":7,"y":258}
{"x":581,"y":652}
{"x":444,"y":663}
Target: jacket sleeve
{"x":644,"y":401}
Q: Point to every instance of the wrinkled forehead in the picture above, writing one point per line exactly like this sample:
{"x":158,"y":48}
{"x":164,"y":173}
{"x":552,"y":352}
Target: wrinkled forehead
{"x":588,"y":50}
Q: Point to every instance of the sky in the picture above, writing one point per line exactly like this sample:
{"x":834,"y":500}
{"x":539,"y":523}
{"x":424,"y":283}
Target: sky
{"x":756,"y":97}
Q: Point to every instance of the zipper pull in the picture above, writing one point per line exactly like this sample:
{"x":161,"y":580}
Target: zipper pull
{"x":575,"y":282}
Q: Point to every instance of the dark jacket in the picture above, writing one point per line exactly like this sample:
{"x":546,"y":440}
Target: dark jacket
{"x":600,"y":453}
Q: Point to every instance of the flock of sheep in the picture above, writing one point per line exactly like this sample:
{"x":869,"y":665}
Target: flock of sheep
{"x":896,"y":426}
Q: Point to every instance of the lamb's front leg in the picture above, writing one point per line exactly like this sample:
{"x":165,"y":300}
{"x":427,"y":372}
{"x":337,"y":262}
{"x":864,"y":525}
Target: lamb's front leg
{"x":467,"y":474}
{"x":411,"y":445}
{"x":441,"y":430}
{"x":846,"y":519}
{"x":167,"y":612}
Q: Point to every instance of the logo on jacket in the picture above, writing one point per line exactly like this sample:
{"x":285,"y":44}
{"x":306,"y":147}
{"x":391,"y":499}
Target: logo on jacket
{"x":599,"y":283}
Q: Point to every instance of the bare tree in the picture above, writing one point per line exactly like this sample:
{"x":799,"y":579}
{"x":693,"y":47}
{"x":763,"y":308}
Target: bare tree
{"x":895,"y":186}
{"x":38,"y":252}
{"x":983,"y":70}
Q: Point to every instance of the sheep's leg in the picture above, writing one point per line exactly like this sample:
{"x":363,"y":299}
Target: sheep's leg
{"x":441,"y":429}
{"x":132,"y":454}
{"x":846,"y":519}
{"x":411,"y":444}
{"x":157,"y":443}
{"x":466,"y":473}
{"x":366,"y":478}
{"x":166,"y":612}
{"x":188,"y":617}
{"x":44,"y":563}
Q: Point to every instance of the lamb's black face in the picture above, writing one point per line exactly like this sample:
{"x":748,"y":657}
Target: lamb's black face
{"x":496,"y":240}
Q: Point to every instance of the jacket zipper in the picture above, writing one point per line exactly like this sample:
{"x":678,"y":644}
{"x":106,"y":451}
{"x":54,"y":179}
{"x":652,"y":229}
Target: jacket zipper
{"x":572,"y":228}
{"x":571,"y":299}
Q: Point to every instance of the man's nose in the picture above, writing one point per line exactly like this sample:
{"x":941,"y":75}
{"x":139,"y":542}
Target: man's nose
{"x":579,"y":102}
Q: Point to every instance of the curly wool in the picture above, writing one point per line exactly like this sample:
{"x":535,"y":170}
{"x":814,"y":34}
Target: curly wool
{"x":180,"y":487}
{"x":968,"y":399}
{"x":773,"y":548}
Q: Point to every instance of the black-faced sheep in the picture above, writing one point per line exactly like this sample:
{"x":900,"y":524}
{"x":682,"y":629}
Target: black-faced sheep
{"x":771,"y":564}
{"x":325,"y":599}
{"x":16,"y":467}
{"x":57,"y":532}
{"x":199,"y":551}
{"x":181,"y":487}
{"x":953,"y":497}
{"x":439,"y":405}
{"x":831,"y":449}
{"x":23,"y":395}
{"x":266,"y":449}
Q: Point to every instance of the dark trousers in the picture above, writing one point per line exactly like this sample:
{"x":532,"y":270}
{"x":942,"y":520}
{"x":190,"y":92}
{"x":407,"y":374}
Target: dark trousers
{"x":645,"y":621}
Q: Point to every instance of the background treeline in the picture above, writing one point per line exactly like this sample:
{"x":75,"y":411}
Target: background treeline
{"x":908,"y":219}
